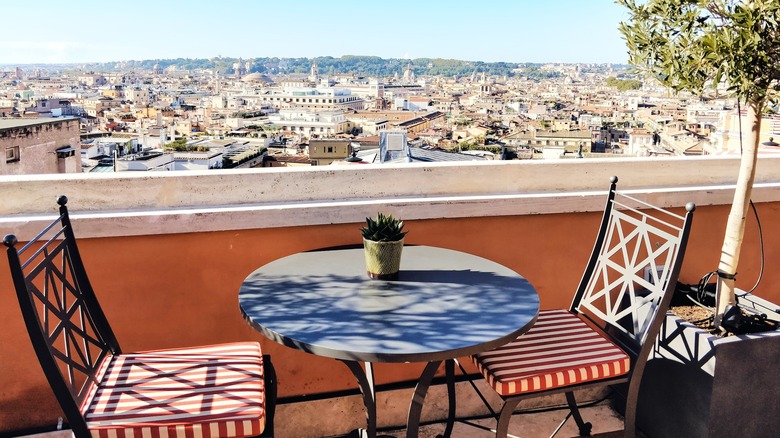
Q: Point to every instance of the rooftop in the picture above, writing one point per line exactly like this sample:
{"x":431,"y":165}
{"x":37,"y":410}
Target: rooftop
{"x":12,"y":123}
{"x":173,"y":248}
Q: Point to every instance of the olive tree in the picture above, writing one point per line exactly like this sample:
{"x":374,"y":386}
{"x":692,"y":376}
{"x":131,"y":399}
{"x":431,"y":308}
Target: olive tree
{"x":695,"y":45}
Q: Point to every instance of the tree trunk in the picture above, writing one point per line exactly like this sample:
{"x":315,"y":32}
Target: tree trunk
{"x":735,"y":227}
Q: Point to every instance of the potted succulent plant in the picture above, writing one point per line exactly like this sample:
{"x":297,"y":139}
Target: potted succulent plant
{"x":383,"y":241}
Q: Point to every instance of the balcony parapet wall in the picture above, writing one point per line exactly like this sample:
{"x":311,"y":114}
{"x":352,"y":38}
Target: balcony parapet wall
{"x":151,"y":203}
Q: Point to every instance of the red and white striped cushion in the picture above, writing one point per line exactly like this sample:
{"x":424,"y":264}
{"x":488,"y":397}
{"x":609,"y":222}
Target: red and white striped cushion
{"x":210,"y":391}
{"x":559,"y":350}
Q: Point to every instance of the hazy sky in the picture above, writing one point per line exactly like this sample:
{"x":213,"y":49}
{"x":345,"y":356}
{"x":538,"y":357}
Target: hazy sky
{"x":48,"y":31}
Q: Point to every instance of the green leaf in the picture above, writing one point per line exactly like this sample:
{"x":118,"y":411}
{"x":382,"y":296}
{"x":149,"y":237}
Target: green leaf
{"x":384,"y":228}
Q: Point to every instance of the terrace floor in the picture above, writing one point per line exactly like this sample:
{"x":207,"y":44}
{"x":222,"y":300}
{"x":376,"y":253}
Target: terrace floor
{"x":606,"y":424}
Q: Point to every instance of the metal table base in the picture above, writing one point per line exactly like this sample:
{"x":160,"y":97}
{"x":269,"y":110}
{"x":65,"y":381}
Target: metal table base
{"x":365,"y":379}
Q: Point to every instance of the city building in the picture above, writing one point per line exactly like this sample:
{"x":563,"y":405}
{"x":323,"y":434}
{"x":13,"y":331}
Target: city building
{"x":308,"y":122}
{"x":325,"y":151}
{"x":564,"y":142}
{"x":40,"y":145}
{"x":150,"y":160}
{"x":316,"y":99}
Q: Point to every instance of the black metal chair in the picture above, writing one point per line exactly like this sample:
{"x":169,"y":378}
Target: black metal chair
{"x":211,"y":391}
{"x":606,"y":335}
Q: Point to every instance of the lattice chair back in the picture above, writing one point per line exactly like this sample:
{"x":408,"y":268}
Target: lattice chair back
{"x":633,"y":269}
{"x":66,"y":325}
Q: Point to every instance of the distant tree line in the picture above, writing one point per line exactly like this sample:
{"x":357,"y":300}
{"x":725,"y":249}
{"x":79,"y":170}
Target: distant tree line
{"x":348,"y":64}
{"x":624,"y":84}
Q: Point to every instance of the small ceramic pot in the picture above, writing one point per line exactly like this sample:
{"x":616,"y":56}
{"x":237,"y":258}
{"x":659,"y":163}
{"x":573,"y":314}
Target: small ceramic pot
{"x":383,"y":259}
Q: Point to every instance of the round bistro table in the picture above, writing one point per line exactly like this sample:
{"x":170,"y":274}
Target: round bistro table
{"x":445,"y":304}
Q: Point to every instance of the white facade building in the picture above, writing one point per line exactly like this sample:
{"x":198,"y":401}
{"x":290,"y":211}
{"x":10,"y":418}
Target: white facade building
{"x":320,"y":99}
{"x":307,"y":122}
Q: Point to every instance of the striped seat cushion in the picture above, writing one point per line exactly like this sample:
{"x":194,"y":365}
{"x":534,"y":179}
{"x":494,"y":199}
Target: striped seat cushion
{"x":559,"y":350}
{"x":210,"y":391}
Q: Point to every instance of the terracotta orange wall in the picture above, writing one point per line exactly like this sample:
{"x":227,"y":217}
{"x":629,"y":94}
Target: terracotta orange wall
{"x":181,"y":289}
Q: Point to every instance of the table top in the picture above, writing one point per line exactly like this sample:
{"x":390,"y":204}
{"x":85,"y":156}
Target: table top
{"x":445,"y":304}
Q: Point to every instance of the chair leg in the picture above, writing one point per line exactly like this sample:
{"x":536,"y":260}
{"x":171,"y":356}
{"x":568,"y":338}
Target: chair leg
{"x":575,"y":412}
{"x":629,"y":420}
{"x":270,"y":396}
{"x":502,"y":426}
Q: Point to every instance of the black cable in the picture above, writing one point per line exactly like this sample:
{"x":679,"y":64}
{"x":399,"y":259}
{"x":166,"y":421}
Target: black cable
{"x":755,"y":212}
{"x":761,"y":246}
{"x":701,"y":288}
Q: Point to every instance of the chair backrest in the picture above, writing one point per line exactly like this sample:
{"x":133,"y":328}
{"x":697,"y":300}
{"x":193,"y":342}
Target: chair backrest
{"x":630,"y":278}
{"x":66,"y":325}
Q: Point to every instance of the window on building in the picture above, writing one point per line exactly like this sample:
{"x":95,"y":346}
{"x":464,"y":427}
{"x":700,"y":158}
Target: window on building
{"x":12,"y":154}
{"x":330,"y":149}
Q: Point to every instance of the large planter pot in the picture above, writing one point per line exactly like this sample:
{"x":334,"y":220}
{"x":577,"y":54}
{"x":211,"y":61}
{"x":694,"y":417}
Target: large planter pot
{"x":383,"y":259}
{"x":701,"y":385}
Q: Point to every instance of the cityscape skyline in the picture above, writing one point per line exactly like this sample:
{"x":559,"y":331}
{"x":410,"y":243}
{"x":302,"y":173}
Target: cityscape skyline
{"x":556,"y":31}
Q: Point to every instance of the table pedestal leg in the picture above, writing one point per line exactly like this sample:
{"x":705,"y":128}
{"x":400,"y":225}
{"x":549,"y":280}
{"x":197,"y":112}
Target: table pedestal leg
{"x":415,"y":408}
{"x":449,"y":368}
{"x":366,"y":383}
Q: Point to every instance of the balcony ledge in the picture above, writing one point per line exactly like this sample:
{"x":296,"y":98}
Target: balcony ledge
{"x":152,"y":203}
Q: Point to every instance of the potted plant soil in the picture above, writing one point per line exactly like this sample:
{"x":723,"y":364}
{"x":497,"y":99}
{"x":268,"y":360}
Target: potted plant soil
{"x":383,"y":242}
